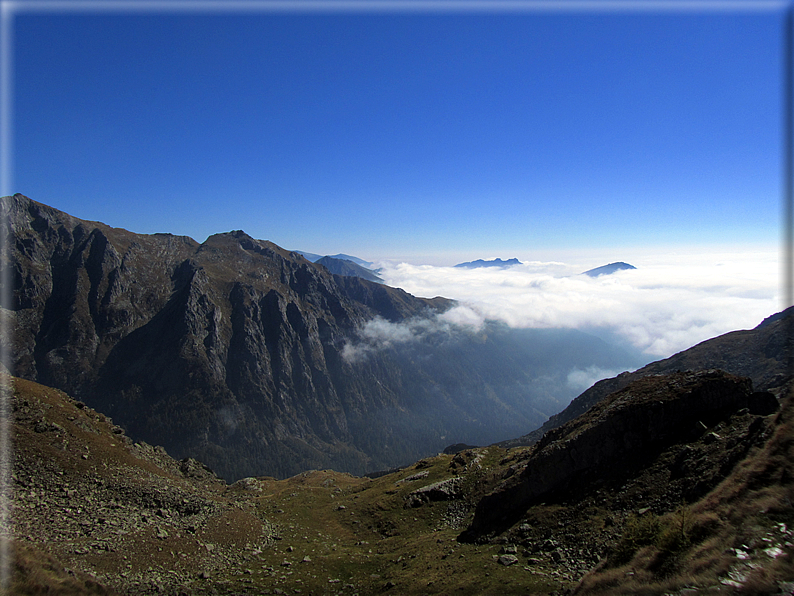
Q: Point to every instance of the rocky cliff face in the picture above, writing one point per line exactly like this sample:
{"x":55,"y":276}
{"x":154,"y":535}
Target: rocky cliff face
{"x":236,"y":352}
{"x":230,"y":346}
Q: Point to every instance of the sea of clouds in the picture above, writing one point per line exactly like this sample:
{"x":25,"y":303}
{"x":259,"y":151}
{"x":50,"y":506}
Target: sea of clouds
{"x":670,"y":302}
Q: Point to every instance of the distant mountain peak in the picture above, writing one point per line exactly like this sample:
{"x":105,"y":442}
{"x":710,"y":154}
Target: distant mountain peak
{"x":348,"y":268}
{"x":356,"y":260}
{"x":310,"y":256}
{"x":492,"y":263}
{"x":608,"y":269}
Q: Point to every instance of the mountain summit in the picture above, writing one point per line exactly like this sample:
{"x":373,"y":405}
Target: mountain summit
{"x":492,"y":263}
{"x":341,"y":256}
{"x":607,"y":269}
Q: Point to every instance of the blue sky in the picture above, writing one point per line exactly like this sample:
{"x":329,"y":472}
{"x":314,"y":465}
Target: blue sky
{"x":430,"y":136}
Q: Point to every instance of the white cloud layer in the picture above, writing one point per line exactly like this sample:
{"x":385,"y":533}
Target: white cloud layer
{"x":378,"y":333}
{"x":669,"y":303}
{"x":580,"y":380}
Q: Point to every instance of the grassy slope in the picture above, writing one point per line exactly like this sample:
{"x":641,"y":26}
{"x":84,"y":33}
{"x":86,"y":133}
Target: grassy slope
{"x":319,"y":532}
{"x":737,"y":539}
{"x":358,"y":533}
{"x":325,"y":532}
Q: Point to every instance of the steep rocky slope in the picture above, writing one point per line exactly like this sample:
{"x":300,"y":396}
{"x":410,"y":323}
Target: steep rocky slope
{"x":89,"y":497}
{"x":624,"y":434}
{"x":737,"y":539}
{"x":238,"y":352}
{"x":230,"y":345}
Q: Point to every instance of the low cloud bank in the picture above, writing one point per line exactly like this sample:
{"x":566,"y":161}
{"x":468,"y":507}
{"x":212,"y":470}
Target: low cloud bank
{"x":459,"y":358}
{"x":580,"y":380}
{"x":669,"y":303}
{"x":379,"y":333}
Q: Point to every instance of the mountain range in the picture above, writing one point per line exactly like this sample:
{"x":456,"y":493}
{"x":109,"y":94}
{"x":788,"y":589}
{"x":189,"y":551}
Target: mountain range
{"x":492,"y":263}
{"x":258,"y":362}
{"x":674,"y":479}
{"x":341,"y":257}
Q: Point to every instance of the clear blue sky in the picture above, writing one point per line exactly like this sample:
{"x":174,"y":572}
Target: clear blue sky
{"x":384,"y":134}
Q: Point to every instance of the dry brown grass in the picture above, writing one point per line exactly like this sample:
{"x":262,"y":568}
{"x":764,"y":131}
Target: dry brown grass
{"x":358,"y":532}
{"x":751,"y":510}
{"x":35,"y":572}
{"x":337,"y":533}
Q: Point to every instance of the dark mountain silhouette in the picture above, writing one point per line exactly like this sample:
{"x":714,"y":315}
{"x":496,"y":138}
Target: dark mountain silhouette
{"x":356,"y":260}
{"x":493,"y":263}
{"x":241,"y":354}
{"x":607,"y":269}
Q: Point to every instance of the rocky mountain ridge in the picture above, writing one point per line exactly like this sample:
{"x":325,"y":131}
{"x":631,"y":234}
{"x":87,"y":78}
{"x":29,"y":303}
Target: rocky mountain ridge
{"x":632,"y":426}
{"x":257,"y":361}
{"x":233,"y":342}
